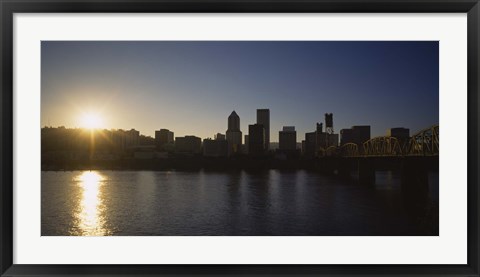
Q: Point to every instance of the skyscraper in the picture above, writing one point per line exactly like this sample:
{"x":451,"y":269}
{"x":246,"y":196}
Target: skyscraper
{"x":234,"y":135}
{"x":263,"y":118}
{"x":256,"y":140}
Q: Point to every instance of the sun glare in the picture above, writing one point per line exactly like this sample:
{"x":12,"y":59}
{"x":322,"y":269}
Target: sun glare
{"x":91,"y":121}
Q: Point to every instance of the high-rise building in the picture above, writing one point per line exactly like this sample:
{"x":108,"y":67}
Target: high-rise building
{"x":287,"y":139}
{"x":234,"y":135}
{"x":256,"y":140}
{"x":163,"y":137}
{"x":263,"y":118}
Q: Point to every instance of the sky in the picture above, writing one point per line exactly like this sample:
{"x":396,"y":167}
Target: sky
{"x":191,"y":87}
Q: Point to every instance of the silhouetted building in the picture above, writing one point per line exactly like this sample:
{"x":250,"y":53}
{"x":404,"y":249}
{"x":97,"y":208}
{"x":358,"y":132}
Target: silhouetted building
{"x":118,"y":139}
{"x":316,"y":143}
{"x":246,"y":145}
{"x":234,"y":135}
{"x":121,"y":139}
{"x":356,"y":134}
{"x":131,"y":137}
{"x":287,"y":139}
{"x":328,"y":123}
{"x":402,"y":134}
{"x":163,"y":137}
{"x":326,"y":140}
{"x":256,"y":140}
{"x":310,"y":145}
{"x":319,"y":127}
{"x":146,"y":140}
{"x":219,"y":136}
{"x":346,"y":136}
{"x":399,"y":133}
{"x":188,"y":144}
{"x":263,"y":118}
{"x":215,"y":148}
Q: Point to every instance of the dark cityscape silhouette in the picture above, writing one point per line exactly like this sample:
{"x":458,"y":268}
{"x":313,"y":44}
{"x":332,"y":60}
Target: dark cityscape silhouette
{"x":222,"y":167}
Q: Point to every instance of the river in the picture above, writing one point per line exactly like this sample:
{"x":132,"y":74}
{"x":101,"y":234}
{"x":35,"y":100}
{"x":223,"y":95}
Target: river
{"x":234,"y":203}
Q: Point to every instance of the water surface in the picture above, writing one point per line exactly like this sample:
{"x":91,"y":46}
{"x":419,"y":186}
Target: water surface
{"x":155,"y":203}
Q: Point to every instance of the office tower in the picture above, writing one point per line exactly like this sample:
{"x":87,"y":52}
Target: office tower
{"x":234,"y":135}
{"x":256,"y":140}
{"x":263,"y":118}
{"x":287,"y":139}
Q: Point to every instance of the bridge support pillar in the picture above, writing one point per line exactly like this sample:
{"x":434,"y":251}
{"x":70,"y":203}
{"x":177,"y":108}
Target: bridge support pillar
{"x":414,"y":182}
{"x":328,"y":165}
{"x":366,"y":171}
{"x":343,"y":167}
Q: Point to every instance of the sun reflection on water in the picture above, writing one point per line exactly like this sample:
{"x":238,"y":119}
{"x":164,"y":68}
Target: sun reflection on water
{"x":89,"y":216}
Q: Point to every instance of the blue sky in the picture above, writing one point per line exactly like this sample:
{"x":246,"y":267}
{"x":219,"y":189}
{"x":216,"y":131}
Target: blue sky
{"x":190,"y":87}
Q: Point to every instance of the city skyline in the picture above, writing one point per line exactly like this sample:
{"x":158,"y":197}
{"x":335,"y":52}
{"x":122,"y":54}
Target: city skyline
{"x":300,"y":136}
{"x":190,"y":88}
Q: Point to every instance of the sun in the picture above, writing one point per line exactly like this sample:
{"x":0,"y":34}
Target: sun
{"x":91,"y":121}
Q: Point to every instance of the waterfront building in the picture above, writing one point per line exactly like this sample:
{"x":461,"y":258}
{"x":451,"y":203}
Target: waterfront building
{"x":317,"y":142}
{"x":287,"y":139}
{"x":402,"y":134}
{"x":215,"y":148}
{"x":356,"y":134}
{"x":163,"y":137}
{"x":399,"y":133}
{"x":256,"y":140}
{"x":188,"y":144}
{"x":310,"y":144}
{"x":233,"y":134}
{"x":263,"y":118}
{"x":219,"y":136}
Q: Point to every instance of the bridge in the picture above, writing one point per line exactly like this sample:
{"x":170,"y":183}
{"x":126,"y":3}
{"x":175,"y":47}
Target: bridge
{"x":422,"y":144}
{"x":414,"y":157}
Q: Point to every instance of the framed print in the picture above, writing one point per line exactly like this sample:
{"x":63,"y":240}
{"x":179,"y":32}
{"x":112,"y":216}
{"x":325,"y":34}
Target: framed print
{"x":235,"y":137}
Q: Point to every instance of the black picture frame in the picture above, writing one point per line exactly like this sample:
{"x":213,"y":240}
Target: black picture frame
{"x":9,"y":7}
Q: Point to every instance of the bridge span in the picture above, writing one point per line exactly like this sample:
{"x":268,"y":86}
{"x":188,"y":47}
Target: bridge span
{"x":414,"y":158}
